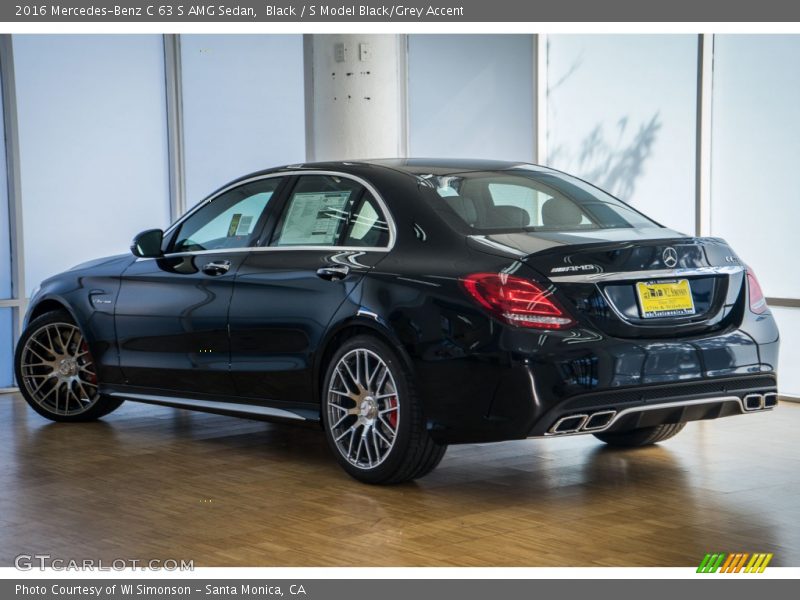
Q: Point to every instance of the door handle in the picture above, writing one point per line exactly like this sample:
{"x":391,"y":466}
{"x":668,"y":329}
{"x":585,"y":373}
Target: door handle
{"x":333,"y":272}
{"x":219,"y":267}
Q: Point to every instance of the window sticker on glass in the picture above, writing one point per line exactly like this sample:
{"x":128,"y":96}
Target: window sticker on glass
{"x":245,"y":223}
{"x":234,"y":224}
{"x":315,"y":218}
{"x":446,"y":191}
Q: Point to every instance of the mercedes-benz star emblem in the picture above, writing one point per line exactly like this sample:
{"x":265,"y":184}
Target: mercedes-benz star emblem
{"x":670,"y":257}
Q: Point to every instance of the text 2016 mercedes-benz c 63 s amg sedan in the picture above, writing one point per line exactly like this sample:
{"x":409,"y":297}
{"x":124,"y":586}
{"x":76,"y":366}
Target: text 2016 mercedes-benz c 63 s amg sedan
{"x":405,"y":305}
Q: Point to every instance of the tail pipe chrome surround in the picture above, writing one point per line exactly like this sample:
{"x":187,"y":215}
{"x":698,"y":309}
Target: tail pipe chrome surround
{"x":754,"y":402}
{"x":583,"y":422}
{"x":602,"y":420}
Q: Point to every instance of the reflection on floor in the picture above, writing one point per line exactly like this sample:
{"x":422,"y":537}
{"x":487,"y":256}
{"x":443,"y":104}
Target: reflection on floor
{"x":153,"y":483}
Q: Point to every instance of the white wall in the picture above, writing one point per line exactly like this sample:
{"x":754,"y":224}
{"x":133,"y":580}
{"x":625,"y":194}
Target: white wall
{"x":93,"y":151}
{"x":243,"y":107}
{"x":471,"y":96}
{"x":621,"y":112}
{"x":357,"y":108}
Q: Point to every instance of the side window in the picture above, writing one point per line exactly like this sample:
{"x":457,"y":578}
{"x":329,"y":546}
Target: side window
{"x":229,"y":221}
{"x":317,"y":211}
{"x":367,"y":225}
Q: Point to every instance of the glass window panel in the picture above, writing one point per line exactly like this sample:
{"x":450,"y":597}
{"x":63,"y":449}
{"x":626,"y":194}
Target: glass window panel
{"x":5,"y":231}
{"x":489,"y":78}
{"x":6,"y":347}
{"x":93,"y":146}
{"x":243,"y":106}
{"x":788,"y":320}
{"x":230,"y":221}
{"x":317,"y":211}
{"x":368,"y":226}
{"x":621,"y":113}
{"x":755,"y":150}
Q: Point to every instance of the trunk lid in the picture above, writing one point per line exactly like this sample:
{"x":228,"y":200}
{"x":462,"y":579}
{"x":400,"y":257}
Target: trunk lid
{"x":614,"y":278}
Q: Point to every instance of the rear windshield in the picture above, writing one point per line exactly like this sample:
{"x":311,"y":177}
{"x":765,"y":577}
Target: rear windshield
{"x":520,"y":200}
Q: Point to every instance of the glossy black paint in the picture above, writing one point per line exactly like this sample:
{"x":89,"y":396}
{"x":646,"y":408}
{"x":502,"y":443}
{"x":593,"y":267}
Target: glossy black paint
{"x":260,"y":333}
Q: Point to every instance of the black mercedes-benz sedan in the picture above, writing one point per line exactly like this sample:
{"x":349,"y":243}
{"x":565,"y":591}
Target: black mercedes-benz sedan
{"x":404,"y":305}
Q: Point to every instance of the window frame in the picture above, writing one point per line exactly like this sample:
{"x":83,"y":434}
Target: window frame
{"x":275,"y":211}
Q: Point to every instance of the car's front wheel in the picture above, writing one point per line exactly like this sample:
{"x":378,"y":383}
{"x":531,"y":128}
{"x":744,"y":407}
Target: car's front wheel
{"x":373,"y":417}
{"x":56,"y":372}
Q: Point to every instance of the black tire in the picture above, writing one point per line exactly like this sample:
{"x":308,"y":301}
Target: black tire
{"x":88,"y":405}
{"x":645,"y":436}
{"x":413,"y":453}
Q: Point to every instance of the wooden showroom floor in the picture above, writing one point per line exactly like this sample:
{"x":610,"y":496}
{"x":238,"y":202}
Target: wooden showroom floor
{"x":152,"y":482}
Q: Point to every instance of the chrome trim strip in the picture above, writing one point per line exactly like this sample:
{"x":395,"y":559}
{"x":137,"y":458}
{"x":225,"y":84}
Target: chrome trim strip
{"x":758,"y":397}
{"x":228,"y":406}
{"x":654,"y":274}
{"x":582,"y":417}
{"x":378,"y":198}
{"x":598,"y":427}
{"x":361,"y":249}
{"x":650,"y":407}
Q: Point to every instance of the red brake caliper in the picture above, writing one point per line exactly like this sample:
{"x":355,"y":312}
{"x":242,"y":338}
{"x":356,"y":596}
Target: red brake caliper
{"x":392,"y":403}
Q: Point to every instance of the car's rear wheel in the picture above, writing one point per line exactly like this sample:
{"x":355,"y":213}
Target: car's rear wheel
{"x":56,"y":372}
{"x":373,"y":417}
{"x":644,"y":436}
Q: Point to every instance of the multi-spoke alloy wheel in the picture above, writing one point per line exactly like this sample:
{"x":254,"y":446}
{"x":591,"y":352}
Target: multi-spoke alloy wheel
{"x":56,"y":373}
{"x":57,"y":370}
{"x":372,"y":415}
{"x":363,"y":408}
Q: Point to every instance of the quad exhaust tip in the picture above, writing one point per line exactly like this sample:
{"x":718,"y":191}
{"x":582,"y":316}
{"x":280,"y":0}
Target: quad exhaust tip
{"x":753,"y":402}
{"x":583,"y":422}
{"x":601,"y":420}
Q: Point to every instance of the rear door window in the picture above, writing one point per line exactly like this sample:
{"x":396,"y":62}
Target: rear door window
{"x":329,"y":210}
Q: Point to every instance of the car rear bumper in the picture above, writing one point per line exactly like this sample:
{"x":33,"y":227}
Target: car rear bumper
{"x":654,"y":405}
{"x":607,"y":385}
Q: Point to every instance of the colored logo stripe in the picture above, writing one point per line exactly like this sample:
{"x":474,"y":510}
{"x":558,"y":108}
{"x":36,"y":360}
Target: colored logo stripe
{"x":734,"y":562}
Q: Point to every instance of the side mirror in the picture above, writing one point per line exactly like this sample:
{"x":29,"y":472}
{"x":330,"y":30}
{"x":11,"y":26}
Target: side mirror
{"x":147,"y":244}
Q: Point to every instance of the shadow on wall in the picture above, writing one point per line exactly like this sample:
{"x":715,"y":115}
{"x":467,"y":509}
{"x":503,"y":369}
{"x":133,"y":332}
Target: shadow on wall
{"x":612,"y":158}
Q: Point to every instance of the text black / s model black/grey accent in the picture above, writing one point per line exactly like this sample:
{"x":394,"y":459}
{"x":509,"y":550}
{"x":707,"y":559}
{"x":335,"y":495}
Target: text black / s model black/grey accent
{"x":406,"y":305}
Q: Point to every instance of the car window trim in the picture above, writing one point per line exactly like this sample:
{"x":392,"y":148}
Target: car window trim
{"x":378,"y":198}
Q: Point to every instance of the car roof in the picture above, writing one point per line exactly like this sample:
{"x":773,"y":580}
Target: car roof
{"x":415,"y":167}
{"x":445,"y":166}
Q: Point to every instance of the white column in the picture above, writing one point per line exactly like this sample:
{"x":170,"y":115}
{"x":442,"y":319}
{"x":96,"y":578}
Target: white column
{"x":357,"y":98}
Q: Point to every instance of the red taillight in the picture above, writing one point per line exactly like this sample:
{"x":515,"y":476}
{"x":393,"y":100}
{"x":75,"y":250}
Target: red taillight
{"x":758,"y":303}
{"x":517,"y":301}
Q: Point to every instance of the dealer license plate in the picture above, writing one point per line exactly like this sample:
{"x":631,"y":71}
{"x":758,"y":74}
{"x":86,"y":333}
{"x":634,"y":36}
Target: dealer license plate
{"x":665,"y":298}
